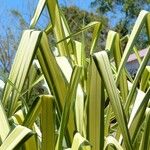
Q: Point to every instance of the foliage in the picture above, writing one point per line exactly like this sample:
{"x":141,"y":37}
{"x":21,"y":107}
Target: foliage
{"x":78,"y":18}
{"x":92,"y":103}
{"x":127,"y":6}
{"x":7,"y":47}
{"x":124,"y":13}
{"x":9,"y":39}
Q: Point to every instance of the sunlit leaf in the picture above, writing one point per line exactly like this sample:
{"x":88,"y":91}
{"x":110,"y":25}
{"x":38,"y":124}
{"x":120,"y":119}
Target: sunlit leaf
{"x":19,"y":134}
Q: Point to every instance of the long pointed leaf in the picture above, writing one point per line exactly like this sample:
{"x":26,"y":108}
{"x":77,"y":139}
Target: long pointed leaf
{"x":15,"y":137}
{"x":134,"y":35}
{"x":48,"y":123}
{"x":96,"y":109}
{"x":103,"y":66}
{"x":4,"y":125}
{"x":70,"y":97}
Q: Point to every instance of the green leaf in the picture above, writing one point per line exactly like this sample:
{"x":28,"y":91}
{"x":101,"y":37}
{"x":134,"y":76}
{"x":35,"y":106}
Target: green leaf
{"x":45,"y":105}
{"x":18,"y":117}
{"x":37,"y":13}
{"x":103,"y":66}
{"x":52,"y":73}
{"x":107,"y":120}
{"x":65,"y":67}
{"x":136,"y":80}
{"x":70,"y":98}
{"x":4,"y":125}
{"x":21,"y":65}
{"x":110,"y":140}
{"x":97,"y":26}
{"x":137,"y":117}
{"x":57,"y":26}
{"x":137,"y":55}
{"x":143,"y":16}
{"x":80,"y":143}
{"x":95,"y":109}
{"x":146,"y":134}
{"x":79,"y":102}
{"x":144,"y":84}
{"x":113,"y":44}
{"x":48,"y":122}
{"x":33,"y":113}
{"x":54,"y":76}
{"x":32,"y":80}
{"x":19,"y":134}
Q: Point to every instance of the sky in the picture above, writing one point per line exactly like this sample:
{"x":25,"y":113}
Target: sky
{"x":21,"y":4}
{"x":83,"y":4}
{"x":26,"y":7}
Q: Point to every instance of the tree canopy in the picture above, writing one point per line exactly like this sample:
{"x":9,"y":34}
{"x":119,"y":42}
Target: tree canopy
{"x":124,"y":12}
{"x":130,"y":8}
{"x":78,"y":18}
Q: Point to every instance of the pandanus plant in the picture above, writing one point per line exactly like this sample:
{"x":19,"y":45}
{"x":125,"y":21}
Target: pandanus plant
{"x":92,"y":102}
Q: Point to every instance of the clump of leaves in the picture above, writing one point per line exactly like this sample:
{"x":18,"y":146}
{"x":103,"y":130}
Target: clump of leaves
{"x":74,"y":114}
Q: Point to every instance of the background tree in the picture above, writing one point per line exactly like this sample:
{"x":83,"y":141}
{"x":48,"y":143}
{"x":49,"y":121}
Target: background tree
{"x":122,"y":14}
{"x":78,"y":18}
{"x":129,"y":8}
{"x":12,"y":22}
{"x":9,"y":39}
